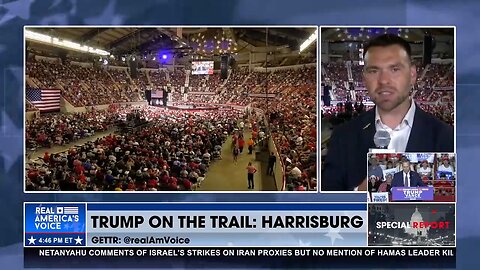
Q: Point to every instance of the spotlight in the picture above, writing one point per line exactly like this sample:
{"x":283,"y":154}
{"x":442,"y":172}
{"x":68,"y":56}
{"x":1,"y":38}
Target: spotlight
{"x":164,"y":57}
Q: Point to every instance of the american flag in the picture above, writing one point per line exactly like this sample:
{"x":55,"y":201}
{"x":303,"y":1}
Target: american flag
{"x":46,"y":100}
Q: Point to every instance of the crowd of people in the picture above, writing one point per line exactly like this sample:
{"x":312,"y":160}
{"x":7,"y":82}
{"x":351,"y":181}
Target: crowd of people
{"x":158,"y":77}
{"x":293,"y":129}
{"x":82,"y":85}
{"x":60,"y":129}
{"x":172,"y":152}
{"x":204,"y":83}
{"x":292,"y":116}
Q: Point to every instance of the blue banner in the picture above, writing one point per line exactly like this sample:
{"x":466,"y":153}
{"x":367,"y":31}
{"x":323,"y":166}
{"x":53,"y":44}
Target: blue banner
{"x":55,"y":224}
{"x":447,"y":174}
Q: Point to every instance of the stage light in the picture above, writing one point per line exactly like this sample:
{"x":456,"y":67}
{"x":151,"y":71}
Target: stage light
{"x":62,"y":43}
{"x":154,"y":58}
{"x":123,"y":59}
{"x":164,"y":57}
{"x":309,"y":41}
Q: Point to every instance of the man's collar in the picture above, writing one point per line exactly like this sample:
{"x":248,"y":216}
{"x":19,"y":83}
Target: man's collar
{"x":409,"y":117}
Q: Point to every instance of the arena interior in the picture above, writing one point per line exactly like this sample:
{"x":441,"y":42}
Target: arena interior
{"x":167,"y":109}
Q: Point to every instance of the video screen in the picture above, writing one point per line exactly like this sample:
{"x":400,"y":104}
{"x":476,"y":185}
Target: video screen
{"x":202,"y":67}
{"x":389,"y":88}
{"x":155,"y":127}
{"x":412,"y":177}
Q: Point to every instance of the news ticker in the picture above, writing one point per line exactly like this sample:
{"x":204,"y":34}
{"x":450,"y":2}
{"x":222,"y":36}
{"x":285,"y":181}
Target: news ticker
{"x":194,"y":224}
{"x":234,"y":257}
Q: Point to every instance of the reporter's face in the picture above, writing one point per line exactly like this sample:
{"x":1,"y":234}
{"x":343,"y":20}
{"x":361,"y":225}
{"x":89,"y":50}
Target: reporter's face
{"x":388,"y":76}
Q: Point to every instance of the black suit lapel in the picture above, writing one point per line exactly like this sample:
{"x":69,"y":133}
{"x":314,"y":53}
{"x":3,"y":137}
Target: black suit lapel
{"x":416,"y":141}
{"x":368,"y":129}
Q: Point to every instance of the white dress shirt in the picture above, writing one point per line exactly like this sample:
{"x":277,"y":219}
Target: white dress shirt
{"x":399,"y":135}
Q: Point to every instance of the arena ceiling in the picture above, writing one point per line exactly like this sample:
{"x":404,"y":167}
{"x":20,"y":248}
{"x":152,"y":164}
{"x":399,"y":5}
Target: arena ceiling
{"x":354,"y":34}
{"x":119,"y":41}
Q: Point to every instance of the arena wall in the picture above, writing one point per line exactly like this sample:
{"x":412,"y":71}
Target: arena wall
{"x":278,"y":172}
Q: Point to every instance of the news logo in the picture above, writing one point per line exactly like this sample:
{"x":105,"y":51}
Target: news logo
{"x":411,"y":225}
{"x":54,"y":224}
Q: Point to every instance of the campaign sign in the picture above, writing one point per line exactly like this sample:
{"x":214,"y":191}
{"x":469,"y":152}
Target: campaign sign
{"x":419,"y":157}
{"x":412,"y":193}
{"x":448,"y":175}
{"x":391,"y":171}
{"x":54,"y":224}
{"x":380,"y":197}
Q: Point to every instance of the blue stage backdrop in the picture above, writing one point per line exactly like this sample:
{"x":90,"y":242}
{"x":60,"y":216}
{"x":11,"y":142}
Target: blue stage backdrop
{"x":15,"y":14}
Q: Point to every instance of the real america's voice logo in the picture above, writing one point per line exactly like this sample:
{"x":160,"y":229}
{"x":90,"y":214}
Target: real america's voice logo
{"x":54,"y":224}
{"x":53,"y":217}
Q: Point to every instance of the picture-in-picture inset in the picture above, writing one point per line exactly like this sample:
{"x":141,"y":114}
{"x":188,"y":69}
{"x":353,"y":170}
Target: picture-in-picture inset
{"x":412,"y":177}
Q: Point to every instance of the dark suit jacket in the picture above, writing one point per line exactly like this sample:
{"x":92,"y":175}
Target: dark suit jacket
{"x":415,"y":180}
{"x":345,"y":166}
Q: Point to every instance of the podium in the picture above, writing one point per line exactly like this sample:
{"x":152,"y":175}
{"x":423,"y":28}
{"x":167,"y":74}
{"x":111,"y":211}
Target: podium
{"x":412,"y":193}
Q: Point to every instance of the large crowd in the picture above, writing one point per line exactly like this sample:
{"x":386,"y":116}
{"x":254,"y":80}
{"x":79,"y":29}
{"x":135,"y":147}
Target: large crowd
{"x":60,"y":129}
{"x":292,"y":116}
{"x":82,"y":85}
{"x":171,"y":152}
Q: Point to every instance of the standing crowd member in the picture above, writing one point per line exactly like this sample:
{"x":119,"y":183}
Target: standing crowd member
{"x":251,"y":170}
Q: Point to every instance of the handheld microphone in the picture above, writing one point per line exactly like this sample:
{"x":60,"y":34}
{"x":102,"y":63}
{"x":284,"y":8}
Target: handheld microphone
{"x":381,"y":139}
